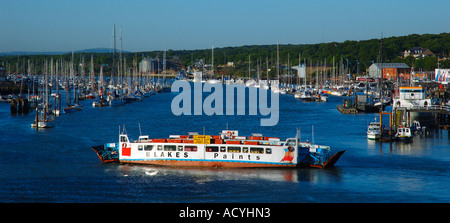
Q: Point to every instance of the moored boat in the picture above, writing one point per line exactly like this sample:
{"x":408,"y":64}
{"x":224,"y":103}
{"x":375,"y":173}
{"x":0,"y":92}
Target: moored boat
{"x":72,"y":108}
{"x":306,"y":96}
{"x":101,"y":102}
{"x":115,"y":101}
{"x":322,"y":97}
{"x":42,"y":124}
{"x":90,"y":95}
{"x":374,"y":130}
{"x":227,"y":149}
{"x":416,"y":128}
{"x":404,"y":134}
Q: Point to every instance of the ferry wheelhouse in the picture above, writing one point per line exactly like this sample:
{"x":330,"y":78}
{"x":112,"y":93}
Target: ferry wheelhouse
{"x":227,"y":149}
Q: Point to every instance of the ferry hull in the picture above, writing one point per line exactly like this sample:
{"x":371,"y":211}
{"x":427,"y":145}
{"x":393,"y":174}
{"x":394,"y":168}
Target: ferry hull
{"x":231,"y":163}
{"x":209,"y":164}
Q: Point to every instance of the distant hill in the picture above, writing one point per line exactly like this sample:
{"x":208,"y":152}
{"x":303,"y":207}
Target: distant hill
{"x":355,"y":55}
{"x":93,"y":50}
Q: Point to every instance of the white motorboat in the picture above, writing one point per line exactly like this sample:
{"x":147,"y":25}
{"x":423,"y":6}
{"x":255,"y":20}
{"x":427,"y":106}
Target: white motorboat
{"x":403,"y":134}
{"x":374,"y":131}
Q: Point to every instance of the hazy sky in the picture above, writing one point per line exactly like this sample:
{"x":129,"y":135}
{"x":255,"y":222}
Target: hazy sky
{"x":63,"y":25}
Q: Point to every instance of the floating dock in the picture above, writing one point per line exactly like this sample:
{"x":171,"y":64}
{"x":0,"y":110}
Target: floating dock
{"x":345,"y":110}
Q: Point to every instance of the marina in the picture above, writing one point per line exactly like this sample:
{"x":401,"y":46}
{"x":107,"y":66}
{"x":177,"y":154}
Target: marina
{"x":74,"y":132}
{"x":120,"y":132}
{"x":369,"y":170}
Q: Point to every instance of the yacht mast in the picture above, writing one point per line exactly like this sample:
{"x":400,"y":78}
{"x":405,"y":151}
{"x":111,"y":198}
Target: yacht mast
{"x":212,"y":61}
{"x":164,"y":63}
{"x":120,"y":58}
{"x":267,"y":71}
{"x":114,"y":52}
{"x":278,"y":63}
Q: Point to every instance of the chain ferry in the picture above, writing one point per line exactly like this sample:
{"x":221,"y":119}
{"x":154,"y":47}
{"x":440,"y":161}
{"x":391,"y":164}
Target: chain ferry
{"x":227,"y":149}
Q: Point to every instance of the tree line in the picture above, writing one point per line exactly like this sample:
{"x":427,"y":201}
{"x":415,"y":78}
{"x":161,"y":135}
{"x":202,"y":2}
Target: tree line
{"x":358,"y":55}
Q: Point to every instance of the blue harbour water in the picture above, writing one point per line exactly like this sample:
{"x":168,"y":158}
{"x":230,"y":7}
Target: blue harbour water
{"x":58,"y":164}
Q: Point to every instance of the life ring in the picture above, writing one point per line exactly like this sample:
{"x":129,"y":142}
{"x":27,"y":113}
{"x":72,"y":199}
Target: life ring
{"x":229,"y":134}
{"x":290,"y":149}
{"x":124,"y":145}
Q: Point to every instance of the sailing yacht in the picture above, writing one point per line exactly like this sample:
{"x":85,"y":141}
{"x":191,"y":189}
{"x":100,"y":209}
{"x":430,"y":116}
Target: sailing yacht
{"x":213,"y":81}
{"x":44,"y":120}
{"x":100,"y":102}
{"x":323,"y":97}
{"x":276,"y":90}
{"x":250,"y":83}
{"x":114,"y":99}
{"x":71,"y":107}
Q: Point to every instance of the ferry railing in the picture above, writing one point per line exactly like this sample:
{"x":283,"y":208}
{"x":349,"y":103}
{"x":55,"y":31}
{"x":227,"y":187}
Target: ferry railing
{"x":431,"y":108}
{"x":445,"y":108}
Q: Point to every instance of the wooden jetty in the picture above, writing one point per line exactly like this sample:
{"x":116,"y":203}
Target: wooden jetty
{"x":19,"y":106}
{"x":441,"y":114}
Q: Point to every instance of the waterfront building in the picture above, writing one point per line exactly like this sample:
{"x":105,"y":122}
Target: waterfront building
{"x":390,"y":71}
{"x":149,"y":65}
